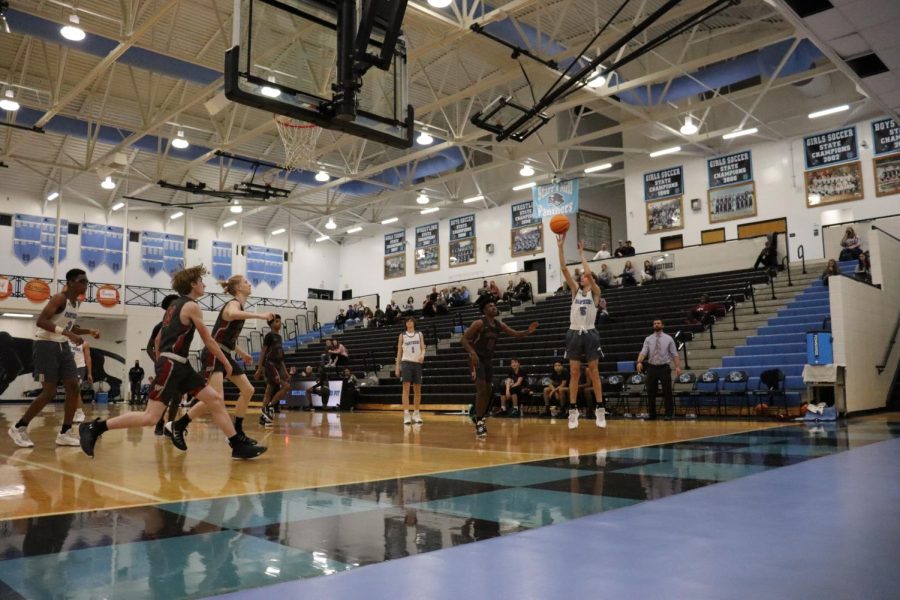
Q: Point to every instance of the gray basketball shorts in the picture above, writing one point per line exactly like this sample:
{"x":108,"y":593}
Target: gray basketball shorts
{"x":53,"y":361}
{"x":583,"y":346}
{"x":410,"y":372}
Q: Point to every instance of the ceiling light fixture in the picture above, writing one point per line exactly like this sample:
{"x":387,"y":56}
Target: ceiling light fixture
{"x":739,"y":133}
{"x":439,"y":3}
{"x":524,"y":186}
{"x":689,"y":127}
{"x":423,"y":198}
{"x":598,"y":79}
{"x":330,"y":224}
{"x":118,"y":206}
{"x":270,"y":91}
{"x":356,"y":229}
{"x":17,"y":315}
{"x":230,"y":223}
{"x":424,"y":139}
{"x":526,"y":171}
{"x":391,"y":220}
{"x":176,"y":215}
{"x":236,"y":208}
{"x":428,"y":211}
{"x":829,"y":111}
{"x":322,"y":238}
{"x":473,"y":199}
{"x":279,"y":231}
{"x":108,"y":183}
{"x":179,"y":141}
{"x":9,"y":101}
{"x":596,"y":168}
{"x":665,"y":151}
{"x":72,"y":31}
{"x":52,"y":196}
{"x":322,"y":176}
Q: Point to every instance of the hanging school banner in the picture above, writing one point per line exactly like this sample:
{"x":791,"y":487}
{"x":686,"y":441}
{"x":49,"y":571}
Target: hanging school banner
{"x":221,"y":260}
{"x":162,"y":252}
{"x":265,"y":265}
{"x":886,"y":134}
{"x":394,"y":243}
{"x":35,"y":237}
{"x":462,"y":228}
{"x":428,"y":250}
{"x":101,"y":245}
{"x":427,"y":235}
{"x":523,"y":214}
{"x":730,"y":169}
{"x":558,"y":198}
{"x":831,"y":147}
{"x":667,"y":183}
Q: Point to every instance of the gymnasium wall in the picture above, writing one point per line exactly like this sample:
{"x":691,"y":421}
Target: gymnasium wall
{"x":778,"y":168}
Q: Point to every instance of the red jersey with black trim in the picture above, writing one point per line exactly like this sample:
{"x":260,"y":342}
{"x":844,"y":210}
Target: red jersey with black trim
{"x":226,"y":332}
{"x":175,"y":336}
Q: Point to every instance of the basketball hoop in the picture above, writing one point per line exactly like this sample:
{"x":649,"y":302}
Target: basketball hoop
{"x":299,"y":139}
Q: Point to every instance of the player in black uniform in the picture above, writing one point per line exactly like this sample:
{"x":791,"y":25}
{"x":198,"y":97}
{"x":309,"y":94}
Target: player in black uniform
{"x":271,"y":364}
{"x":151,"y":352}
{"x":174,"y":374}
{"x":479,"y":341}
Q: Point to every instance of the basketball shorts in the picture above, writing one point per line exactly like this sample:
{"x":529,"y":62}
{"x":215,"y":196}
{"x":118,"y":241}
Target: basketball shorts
{"x":485,"y":369}
{"x":174,"y":379}
{"x":212,"y":365}
{"x":410,"y":372}
{"x":583,"y":346}
{"x":53,"y":361}
{"x":276,"y":374}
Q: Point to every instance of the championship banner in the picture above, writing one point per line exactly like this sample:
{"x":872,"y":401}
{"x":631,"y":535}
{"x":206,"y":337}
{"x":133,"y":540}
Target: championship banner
{"x":35,"y":237}
{"x":667,"y":183}
{"x":101,"y":244}
{"x":831,"y":147}
{"x":886,"y":134}
{"x":221,"y":260}
{"x":265,"y":264}
{"x":730,"y":169}
{"x":427,"y":235}
{"x":558,"y":198}
{"x":462,"y":228}
{"x":394,"y":243}
{"x":523,"y":214}
{"x":428,"y":250}
{"x":162,"y":252}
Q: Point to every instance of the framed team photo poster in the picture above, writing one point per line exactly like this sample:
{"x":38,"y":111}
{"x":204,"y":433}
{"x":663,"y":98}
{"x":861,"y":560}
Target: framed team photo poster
{"x":838,"y":183}
{"x":428,"y":259}
{"x":463,"y":252}
{"x":665,"y":215}
{"x":732,"y":202}
{"x":395,"y":266}
{"x":887,"y":175}
{"x":527,"y":240}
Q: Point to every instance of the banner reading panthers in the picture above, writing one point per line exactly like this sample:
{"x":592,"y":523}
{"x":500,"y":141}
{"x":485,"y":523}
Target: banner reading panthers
{"x":558,"y":198}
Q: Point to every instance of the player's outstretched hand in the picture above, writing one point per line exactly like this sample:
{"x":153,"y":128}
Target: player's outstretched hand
{"x":560,"y":238}
{"x":533,"y":327}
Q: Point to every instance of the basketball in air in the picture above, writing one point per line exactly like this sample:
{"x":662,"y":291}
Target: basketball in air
{"x":37,"y":290}
{"x":559,"y":224}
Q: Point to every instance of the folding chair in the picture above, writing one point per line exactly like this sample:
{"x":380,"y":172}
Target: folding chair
{"x":734,"y":385}
{"x":681,"y":390}
{"x":707,"y":386}
{"x":771,"y":385}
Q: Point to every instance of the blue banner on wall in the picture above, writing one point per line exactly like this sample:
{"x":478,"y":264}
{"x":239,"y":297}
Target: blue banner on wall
{"x":394,"y":243}
{"x":221,"y":260}
{"x":831,"y":147}
{"x":265,"y":265}
{"x":886,"y":135}
{"x":523,"y":214}
{"x":462,"y":228}
{"x":427,"y":235}
{"x":730,"y":169}
{"x":558,"y":198}
{"x":35,"y":237}
{"x":667,"y":183}
{"x":101,"y":244}
{"x":162,"y":252}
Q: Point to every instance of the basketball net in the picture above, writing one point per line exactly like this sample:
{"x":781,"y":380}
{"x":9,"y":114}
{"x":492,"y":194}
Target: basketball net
{"x":299,"y":139}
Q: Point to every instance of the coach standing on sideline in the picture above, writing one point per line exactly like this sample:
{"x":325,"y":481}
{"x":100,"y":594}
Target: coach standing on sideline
{"x":659,"y":350}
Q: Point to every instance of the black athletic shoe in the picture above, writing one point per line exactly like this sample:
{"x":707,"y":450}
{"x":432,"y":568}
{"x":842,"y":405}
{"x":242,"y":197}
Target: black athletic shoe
{"x":159,"y":429}
{"x":480,"y":429}
{"x":88,"y":436}
{"x":176,"y":434}
{"x":246,"y":440}
{"x":241,"y":450}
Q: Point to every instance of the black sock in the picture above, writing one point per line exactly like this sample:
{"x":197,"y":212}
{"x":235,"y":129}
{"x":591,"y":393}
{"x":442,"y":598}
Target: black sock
{"x":234,"y":439}
{"x":239,"y":424}
{"x":183,"y":422}
{"x":21,"y":423}
{"x":100,"y":427}
{"x":65,"y":428}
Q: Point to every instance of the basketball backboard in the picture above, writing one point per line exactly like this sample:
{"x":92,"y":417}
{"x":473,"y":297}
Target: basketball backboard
{"x":303,"y":59}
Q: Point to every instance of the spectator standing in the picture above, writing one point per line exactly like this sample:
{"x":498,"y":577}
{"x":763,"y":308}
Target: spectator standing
{"x":659,"y":351}
{"x":603,"y":252}
{"x":620,"y":250}
{"x":628,"y":250}
{"x":135,"y":377}
{"x":349,"y":390}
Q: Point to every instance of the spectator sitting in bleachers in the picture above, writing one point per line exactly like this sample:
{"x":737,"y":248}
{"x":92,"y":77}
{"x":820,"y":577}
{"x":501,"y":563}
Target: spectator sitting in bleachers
{"x":602,"y":253}
{"x":441,"y":305}
{"x":604,"y":279}
{"x":338,"y":354}
{"x":831,"y":269}
{"x":564,"y":290}
{"x":495,"y":291}
{"x":768,"y":257}
{"x":557,"y":389}
{"x":410,"y":306}
{"x":428,"y":305}
{"x":463,"y":298}
{"x":340,"y":319}
{"x":863,"y":270}
{"x":368,"y":317}
{"x":628,"y":276}
{"x":648,"y":275}
{"x":706,"y":312}
{"x":850,"y":246}
{"x":510,"y":292}
{"x":523,"y":290}
{"x":602,"y":313}
{"x":378,"y":317}
{"x":391,"y":312}
{"x":307,"y":373}
{"x":515,"y":383}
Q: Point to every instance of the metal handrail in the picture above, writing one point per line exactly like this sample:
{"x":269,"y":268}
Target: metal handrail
{"x":786,"y":263}
{"x":801,"y":254}
{"x":890,"y":347}
{"x":749,"y":290}
{"x":729,"y":299}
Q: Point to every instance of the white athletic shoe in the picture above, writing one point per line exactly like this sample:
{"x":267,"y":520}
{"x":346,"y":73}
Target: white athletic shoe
{"x":69,"y":438}
{"x":573,"y":417}
{"x":407,"y":420}
{"x":79,"y":416}
{"x":417,"y":418}
{"x":600,"y":416}
{"x":20,"y":436}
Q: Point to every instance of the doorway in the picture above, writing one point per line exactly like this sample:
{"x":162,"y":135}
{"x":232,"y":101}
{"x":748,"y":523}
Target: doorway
{"x":540,"y":266}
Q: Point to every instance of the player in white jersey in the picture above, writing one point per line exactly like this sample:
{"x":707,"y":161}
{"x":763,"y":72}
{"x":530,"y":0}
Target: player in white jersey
{"x":410,"y":356}
{"x":582,"y":339}
{"x":82,"y":355}
{"x":53,"y":361}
